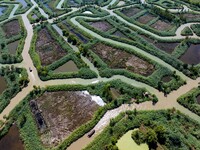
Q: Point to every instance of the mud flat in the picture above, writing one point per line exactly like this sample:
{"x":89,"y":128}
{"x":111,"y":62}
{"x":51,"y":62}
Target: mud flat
{"x":101,"y":25}
{"x":11,"y":141}
{"x":12,"y":47}
{"x":47,"y":48}
{"x":118,"y":59}
{"x":11,"y":28}
{"x":63,"y":112}
{"x":3,"y":84}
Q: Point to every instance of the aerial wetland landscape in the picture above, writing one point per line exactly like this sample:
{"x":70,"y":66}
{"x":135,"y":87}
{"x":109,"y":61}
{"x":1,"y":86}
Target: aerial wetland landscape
{"x":99,"y":75}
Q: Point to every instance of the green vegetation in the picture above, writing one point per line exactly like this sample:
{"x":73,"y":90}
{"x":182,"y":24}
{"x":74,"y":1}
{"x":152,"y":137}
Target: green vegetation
{"x":196,"y":29}
{"x":26,"y":121}
{"x":35,"y":16}
{"x":16,"y":79}
{"x":186,"y":32}
{"x":166,"y":129}
{"x":6,"y":14}
{"x":46,"y":72}
{"x":6,"y":57}
{"x":191,"y":100}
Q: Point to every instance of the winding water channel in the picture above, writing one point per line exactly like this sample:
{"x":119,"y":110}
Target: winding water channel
{"x":164,"y":102}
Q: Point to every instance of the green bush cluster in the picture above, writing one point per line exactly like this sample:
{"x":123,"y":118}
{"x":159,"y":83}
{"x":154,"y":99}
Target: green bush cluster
{"x":6,"y":14}
{"x":159,"y":128}
{"x":39,"y":16}
{"x":15,"y":83}
{"x":189,"y":100}
{"x":46,"y":72}
{"x":6,"y":57}
{"x":25,"y":121}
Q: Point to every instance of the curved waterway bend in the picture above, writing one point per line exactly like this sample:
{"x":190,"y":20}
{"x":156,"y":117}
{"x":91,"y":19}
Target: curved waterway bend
{"x":35,"y":80}
{"x":120,"y":44}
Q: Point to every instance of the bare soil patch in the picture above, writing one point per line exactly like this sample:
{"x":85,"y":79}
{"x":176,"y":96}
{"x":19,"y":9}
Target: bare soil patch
{"x":166,"y":79}
{"x":63,"y":112}
{"x":47,"y":48}
{"x":161,"y":25}
{"x":129,"y":12}
{"x":101,"y":25}
{"x":192,"y":55}
{"x":118,"y":59}
{"x":146,"y":18}
{"x":11,"y":28}
{"x":191,"y":16}
{"x":119,"y":34}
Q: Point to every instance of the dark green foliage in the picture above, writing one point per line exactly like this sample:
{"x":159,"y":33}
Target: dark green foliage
{"x":196,"y":29}
{"x":189,"y":100}
{"x":14,"y":84}
{"x":154,"y":127}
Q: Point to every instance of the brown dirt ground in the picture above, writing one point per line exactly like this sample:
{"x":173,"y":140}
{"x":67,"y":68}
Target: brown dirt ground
{"x":101,"y":25}
{"x":161,"y":25}
{"x":146,"y":18}
{"x":63,"y":112}
{"x":11,"y":28}
{"x":191,"y":16}
{"x":118,"y":59}
{"x":47,"y":48}
{"x":129,"y":12}
{"x":119,"y":34}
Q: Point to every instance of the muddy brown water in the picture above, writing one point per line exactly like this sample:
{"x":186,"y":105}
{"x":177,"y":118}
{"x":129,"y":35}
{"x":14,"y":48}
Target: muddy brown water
{"x":192,"y":55}
{"x":11,"y":141}
{"x":198,"y":99}
{"x":12,"y":47}
{"x":3,"y":84}
{"x":70,"y":66}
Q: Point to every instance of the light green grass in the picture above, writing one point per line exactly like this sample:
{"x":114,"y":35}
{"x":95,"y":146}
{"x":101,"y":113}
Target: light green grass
{"x":127,"y":143}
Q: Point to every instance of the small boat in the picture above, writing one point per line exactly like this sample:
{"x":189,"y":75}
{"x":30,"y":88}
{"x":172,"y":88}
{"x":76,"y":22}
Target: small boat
{"x":90,"y":134}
